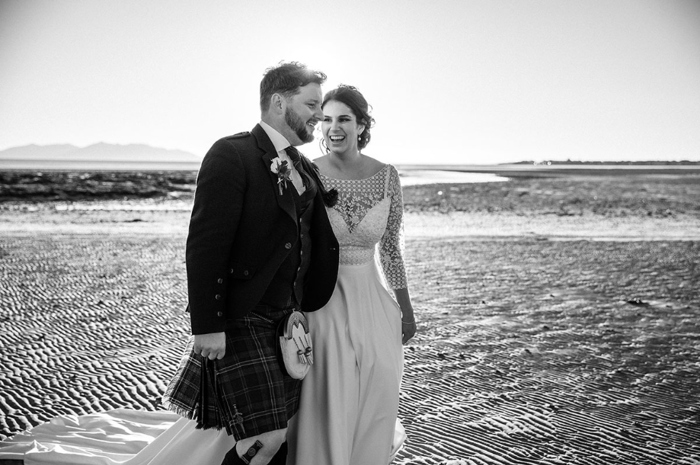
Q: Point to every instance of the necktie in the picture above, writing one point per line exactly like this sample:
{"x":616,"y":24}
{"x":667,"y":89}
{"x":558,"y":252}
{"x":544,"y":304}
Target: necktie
{"x":295,"y":156}
{"x":311,"y":177}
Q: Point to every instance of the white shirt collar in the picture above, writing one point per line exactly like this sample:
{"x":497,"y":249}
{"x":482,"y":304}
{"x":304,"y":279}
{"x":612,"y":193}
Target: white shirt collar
{"x":278,"y":140}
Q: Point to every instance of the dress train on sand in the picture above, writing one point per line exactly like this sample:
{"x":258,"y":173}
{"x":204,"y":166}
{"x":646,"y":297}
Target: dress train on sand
{"x":122,"y":436}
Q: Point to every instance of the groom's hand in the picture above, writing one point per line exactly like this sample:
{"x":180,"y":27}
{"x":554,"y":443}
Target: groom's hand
{"x":211,"y":345}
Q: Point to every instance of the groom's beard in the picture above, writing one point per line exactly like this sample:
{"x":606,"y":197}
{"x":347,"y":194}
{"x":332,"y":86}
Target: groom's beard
{"x":298,"y":126}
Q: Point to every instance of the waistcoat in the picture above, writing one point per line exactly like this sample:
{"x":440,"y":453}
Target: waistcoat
{"x":287,"y":286}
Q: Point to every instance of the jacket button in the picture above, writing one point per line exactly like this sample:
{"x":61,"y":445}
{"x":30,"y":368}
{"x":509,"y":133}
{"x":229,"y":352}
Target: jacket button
{"x":219,"y":313}
{"x":217,"y":296}
{"x":220,"y":281}
{"x":288,"y":245}
{"x":245,"y":273}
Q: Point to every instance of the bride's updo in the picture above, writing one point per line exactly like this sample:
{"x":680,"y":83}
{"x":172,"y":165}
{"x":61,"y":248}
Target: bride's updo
{"x":352,"y":97}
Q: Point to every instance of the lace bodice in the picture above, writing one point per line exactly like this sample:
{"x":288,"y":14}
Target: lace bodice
{"x":370,"y":212}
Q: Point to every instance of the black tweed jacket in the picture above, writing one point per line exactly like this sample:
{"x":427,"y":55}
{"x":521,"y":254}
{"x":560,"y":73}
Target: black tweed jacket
{"x":241,"y":231}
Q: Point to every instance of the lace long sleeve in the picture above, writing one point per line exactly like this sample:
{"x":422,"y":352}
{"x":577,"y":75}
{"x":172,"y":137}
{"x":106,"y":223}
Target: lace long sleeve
{"x":391,"y":245}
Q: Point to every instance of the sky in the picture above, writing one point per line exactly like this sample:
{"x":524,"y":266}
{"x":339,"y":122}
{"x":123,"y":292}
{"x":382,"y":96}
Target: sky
{"x":449,"y":81}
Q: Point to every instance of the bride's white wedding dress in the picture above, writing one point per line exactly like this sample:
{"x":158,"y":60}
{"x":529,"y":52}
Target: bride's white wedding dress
{"x":350,"y":397}
{"x":123,"y":436}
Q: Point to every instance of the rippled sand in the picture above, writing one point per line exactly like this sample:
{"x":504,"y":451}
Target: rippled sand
{"x":544,"y":337}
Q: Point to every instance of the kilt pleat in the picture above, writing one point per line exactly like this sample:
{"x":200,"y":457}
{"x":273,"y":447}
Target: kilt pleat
{"x":247,"y":392}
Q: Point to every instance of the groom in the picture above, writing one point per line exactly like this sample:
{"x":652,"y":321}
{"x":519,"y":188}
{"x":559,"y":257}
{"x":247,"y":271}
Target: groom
{"x":259,"y":246}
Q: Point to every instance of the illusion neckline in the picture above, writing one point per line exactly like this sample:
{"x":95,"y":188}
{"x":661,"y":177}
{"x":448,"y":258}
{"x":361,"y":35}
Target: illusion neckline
{"x":362,"y":179}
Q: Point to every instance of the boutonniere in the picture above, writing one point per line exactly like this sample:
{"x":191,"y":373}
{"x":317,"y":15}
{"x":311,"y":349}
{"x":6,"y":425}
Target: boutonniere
{"x":281,"y":169}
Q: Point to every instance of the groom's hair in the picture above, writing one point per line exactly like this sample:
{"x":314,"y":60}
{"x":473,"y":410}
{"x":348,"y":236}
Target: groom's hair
{"x":286,"y":79}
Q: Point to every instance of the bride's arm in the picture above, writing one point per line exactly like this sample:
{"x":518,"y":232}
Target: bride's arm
{"x":391,"y":254}
{"x":408,"y":320}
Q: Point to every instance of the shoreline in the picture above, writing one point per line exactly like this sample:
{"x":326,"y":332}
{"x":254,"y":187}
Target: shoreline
{"x":608,"y":208}
{"x":132,"y":165}
{"x":565,"y":169}
{"x":417,"y":226}
{"x":81,"y":184}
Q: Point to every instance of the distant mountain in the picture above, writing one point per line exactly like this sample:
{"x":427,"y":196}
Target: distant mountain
{"x":97,"y":152}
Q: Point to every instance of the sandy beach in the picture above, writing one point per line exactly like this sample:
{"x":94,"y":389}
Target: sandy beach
{"x":559,"y":318}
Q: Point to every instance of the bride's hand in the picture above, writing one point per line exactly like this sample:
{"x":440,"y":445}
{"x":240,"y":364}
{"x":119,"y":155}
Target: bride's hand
{"x":210,"y":345}
{"x":408,"y":330}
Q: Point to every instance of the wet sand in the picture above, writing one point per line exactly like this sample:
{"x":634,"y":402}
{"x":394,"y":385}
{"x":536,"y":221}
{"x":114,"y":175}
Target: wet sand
{"x":558,"y":319}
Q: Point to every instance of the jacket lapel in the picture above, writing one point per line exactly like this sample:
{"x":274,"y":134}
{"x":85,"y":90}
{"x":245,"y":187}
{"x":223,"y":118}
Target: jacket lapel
{"x":285,"y":201}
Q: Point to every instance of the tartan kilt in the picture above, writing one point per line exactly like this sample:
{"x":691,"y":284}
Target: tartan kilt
{"x":247,"y":392}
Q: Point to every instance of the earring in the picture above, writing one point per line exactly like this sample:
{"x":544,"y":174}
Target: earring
{"x":322,"y":144}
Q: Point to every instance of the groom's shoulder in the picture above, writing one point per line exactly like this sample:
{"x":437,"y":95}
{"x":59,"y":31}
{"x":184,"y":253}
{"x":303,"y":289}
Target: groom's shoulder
{"x":241,"y":137}
{"x":241,"y":140}
{"x":245,"y":144}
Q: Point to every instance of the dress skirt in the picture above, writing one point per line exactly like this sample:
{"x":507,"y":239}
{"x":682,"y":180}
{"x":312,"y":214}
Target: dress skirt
{"x":350,"y":397}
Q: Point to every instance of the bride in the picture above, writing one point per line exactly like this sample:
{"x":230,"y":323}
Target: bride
{"x":349,"y":401}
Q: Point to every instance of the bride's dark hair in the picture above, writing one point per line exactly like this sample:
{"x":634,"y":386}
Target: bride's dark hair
{"x":357,"y":103}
